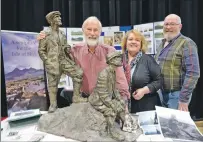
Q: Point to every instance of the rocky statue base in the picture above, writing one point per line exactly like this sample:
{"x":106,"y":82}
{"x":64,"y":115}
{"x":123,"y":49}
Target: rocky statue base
{"x":79,"y":122}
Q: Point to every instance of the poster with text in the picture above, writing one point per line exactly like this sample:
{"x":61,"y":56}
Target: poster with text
{"x":24,"y":72}
{"x":112,"y":36}
{"x":107,"y":35}
{"x":158,"y":34}
{"x":148,"y":32}
{"x":111,"y":29}
{"x":118,"y":38}
{"x":74,"y":35}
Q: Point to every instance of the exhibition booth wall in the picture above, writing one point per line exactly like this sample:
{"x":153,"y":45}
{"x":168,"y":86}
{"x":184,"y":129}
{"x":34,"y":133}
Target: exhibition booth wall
{"x":139,"y":14}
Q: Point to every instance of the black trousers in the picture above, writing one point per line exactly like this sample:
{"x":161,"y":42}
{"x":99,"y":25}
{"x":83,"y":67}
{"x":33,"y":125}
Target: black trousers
{"x":68,"y":95}
{"x":145,"y":104}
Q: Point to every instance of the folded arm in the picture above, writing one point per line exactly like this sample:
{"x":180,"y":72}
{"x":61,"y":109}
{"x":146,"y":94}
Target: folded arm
{"x":42,"y":50}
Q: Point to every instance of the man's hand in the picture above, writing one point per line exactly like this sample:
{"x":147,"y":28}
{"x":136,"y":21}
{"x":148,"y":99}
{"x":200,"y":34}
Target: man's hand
{"x":67,"y":51}
{"x":67,"y":48}
{"x":41,"y":35}
{"x":183,"y":106}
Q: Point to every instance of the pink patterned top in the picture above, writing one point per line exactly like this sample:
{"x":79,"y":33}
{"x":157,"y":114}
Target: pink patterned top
{"x":93,"y":63}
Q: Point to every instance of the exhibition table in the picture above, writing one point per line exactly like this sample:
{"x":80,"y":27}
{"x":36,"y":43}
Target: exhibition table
{"x":26,"y":130}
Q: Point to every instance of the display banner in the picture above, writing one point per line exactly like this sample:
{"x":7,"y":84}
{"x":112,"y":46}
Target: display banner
{"x":24,"y":72}
{"x":148,"y":31}
{"x":112,"y":36}
{"x":158,"y":34}
{"x":74,"y":35}
{"x":125,"y":28}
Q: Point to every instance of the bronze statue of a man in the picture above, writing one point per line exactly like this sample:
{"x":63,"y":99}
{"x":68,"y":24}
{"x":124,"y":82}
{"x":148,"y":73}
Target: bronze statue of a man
{"x":69,"y":67}
{"x":52,"y":52}
{"x":106,"y":98}
{"x":49,"y":50}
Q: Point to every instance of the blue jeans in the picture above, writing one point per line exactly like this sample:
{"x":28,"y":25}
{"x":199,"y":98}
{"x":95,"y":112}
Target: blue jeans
{"x":169,"y":99}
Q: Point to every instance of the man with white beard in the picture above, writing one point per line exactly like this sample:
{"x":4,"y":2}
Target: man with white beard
{"x":178,"y":58}
{"x":91,"y":57}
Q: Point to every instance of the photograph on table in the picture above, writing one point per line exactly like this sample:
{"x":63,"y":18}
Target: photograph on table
{"x":177,"y":124}
{"x":151,"y":130}
{"x":147,"y":118}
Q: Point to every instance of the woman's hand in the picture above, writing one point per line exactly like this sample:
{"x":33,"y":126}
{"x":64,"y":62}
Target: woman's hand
{"x":139,"y":93}
{"x":41,"y":35}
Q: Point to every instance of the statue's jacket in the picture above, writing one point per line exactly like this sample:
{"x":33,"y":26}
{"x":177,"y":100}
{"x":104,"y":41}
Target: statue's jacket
{"x":50,"y":50}
{"x":105,"y":89}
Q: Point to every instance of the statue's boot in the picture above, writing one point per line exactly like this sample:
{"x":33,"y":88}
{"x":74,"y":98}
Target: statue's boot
{"x":121,"y":115}
{"x":103,"y":131}
{"x":52,"y":107}
{"x":77,"y":98}
{"x":113,"y":131}
{"x":115,"y":134}
{"x":52,"y":98}
{"x":134,"y":121}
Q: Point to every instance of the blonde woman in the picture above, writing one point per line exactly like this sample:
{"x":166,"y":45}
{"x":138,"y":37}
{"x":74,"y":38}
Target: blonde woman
{"x":142,"y":72}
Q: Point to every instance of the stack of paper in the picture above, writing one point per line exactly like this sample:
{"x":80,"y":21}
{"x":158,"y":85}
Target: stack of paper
{"x":24,"y":114}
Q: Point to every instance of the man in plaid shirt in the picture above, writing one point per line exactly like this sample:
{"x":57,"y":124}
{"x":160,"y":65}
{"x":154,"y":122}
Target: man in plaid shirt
{"x":178,"y":58}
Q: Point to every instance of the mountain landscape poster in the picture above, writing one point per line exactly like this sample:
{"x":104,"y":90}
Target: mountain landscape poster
{"x":24,"y":72}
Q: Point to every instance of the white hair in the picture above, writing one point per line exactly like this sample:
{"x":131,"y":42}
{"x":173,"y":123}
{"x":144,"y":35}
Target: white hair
{"x":178,"y":19}
{"x":91,"y":18}
{"x":176,"y":16}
